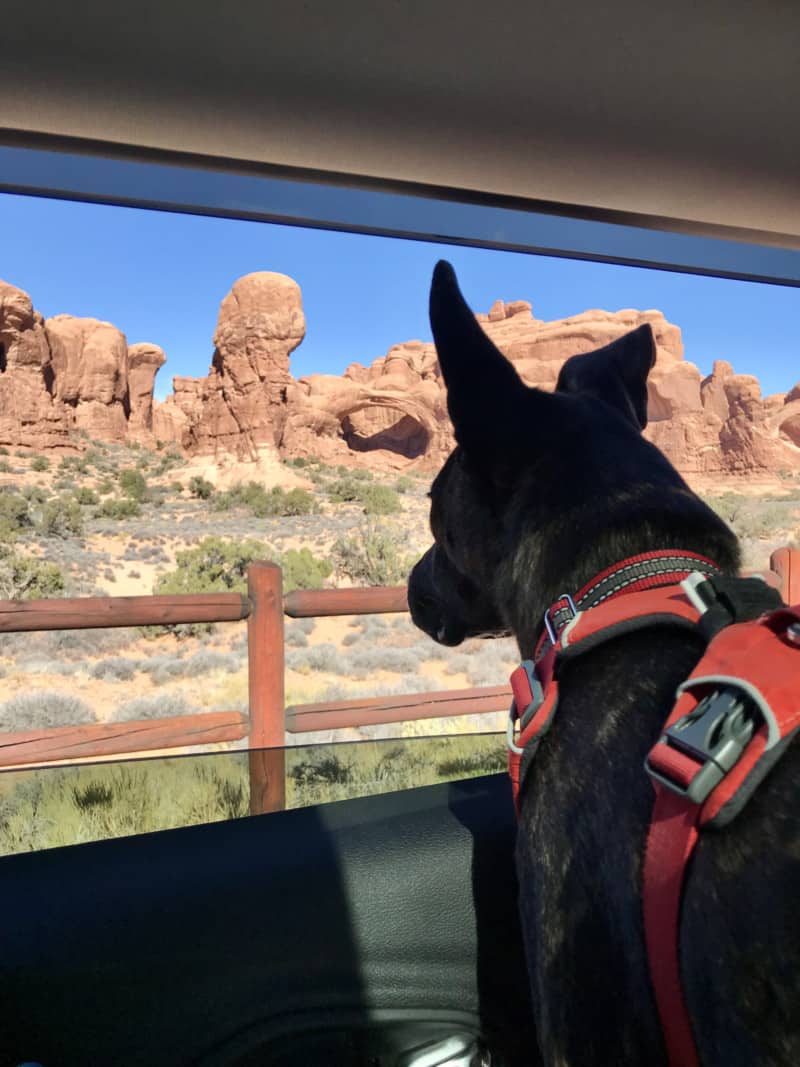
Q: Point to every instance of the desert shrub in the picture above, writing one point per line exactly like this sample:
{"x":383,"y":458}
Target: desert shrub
{"x":40,"y":463}
{"x":43,"y":710}
{"x":124,"y":508}
{"x":84,"y":495}
{"x":373,"y":626}
{"x":266,"y":503}
{"x":200,"y":488}
{"x":403,"y":484}
{"x":374,"y":499}
{"x":61,"y":518}
{"x":133,"y":484}
{"x":5,"y":466}
{"x":327,"y":769}
{"x":365,"y":661}
{"x":475,"y":763}
{"x":302,"y":570}
{"x":76,"y":464}
{"x":323,"y":657}
{"x":380,"y":500}
{"x":163,"y":668}
{"x":293,"y":502}
{"x":4,"y":451}
{"x":34,"y":494}
{"x":295,"y":639}
{"x":206,"y":660}
{"x":299,"y":461}
{"x":169,"y":461}
{"x":26,"y":578}
{"x":105,"y":487}
{"x":344,"y":491}
{"x":351,"y":639}
{"x":15,"y":516}
{"x":116,"y":668}
{"x":372,"y":555}
{"x":305,"y":626}
{"x":158,"y":706}
{"x":215,"y":565}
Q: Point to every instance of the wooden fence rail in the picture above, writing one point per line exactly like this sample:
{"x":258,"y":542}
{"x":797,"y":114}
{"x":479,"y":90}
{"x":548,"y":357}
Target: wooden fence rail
{"x":264,"y":608}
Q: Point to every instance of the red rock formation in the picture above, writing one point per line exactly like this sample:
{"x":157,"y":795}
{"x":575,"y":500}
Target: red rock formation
{"x":242,"y":403}
{"x":72,"y":373}
{"x":716,"y":425}
{"x":144,"y":361}
{"x":28,"y":416}
{"x":68,"y":374}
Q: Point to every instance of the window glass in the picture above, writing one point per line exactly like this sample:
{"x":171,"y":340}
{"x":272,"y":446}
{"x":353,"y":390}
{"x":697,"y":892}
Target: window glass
{"x":181,"y":396}
{"x":47,"y":807}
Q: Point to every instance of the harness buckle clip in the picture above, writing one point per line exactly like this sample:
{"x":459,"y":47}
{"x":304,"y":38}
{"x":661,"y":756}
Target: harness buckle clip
{"x":549,"y":625}
{"x":713,"y":736}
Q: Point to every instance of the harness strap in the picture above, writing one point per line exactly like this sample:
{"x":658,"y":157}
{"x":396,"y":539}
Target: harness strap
{"x":704,"y":769}
{"x":722,"y":737}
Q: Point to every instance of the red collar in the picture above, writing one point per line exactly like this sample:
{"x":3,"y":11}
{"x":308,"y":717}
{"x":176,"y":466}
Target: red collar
{"x":648,"y":570}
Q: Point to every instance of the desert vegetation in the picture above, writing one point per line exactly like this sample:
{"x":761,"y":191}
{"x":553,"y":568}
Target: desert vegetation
{"x":124,"y":521}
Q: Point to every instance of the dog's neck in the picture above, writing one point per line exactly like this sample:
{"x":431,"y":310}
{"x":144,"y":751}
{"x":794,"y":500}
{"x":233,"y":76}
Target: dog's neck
{"x":568,"y":556}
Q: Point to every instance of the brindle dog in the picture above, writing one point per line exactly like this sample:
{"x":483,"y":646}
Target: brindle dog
{"x":542,"y":492}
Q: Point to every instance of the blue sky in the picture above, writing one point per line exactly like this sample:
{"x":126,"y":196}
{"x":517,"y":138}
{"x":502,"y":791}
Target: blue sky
{"x":160,"y":277}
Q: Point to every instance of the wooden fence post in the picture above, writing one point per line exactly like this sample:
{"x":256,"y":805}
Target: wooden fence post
{"x":265,"y":652}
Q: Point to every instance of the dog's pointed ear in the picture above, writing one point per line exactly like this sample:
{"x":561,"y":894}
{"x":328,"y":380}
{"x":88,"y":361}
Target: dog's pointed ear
{"x":485,"y":395}
{"x":616,"y":373}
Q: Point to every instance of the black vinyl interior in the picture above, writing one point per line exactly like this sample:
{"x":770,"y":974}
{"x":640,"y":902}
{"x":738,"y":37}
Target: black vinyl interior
{"x":347,"y":933}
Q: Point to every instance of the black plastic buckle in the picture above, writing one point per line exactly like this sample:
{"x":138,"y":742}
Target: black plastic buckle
{"x":715,"y":733}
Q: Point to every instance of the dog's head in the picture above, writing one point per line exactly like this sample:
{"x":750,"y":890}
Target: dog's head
{"x":537,"y":495}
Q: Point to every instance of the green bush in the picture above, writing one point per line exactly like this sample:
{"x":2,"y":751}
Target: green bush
{"x":168,"y":462}
{"x":214,"y":566}
{"x":34,"y":494}
{"x":403,"y":484}
{"x":344,"y":491}
{"x":372,"y":556}
{"x":265,"y":504}
{"x":375,"y":499}
{"x":76,"y":464}
{"x":293,"y":502}
{"x":26,"y":578}
{"x":133,"y":484}
{"x":380,"y":500}
{"x":61,"y":518}
{"x":302,"y":570}
{"x":40,"y":463}
{"x":200,"y":487}
{"x":15,"y":516}
{"x":5,"y":466}
{"x":84,"y":495}
{"x":105,"y":487}
{"x":124,"y":508}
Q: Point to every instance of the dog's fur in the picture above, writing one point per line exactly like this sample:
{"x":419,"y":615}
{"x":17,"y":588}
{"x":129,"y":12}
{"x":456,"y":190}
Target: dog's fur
{"x":542,"y":492}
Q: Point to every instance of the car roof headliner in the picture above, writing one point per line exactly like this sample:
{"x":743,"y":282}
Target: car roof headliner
{"x":683,"y":115}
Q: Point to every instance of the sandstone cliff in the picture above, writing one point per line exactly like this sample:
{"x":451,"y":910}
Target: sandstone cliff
{"x":66,"y":374}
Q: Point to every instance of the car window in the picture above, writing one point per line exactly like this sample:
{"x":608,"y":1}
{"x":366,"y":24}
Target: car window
{"x":50,"y":807}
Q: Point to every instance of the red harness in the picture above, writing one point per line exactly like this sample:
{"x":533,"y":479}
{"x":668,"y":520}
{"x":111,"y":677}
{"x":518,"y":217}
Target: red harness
{"x":734,"y":717}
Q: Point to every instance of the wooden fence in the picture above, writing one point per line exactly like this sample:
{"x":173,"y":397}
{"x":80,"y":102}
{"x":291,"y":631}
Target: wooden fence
{"x":264,"y":607}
